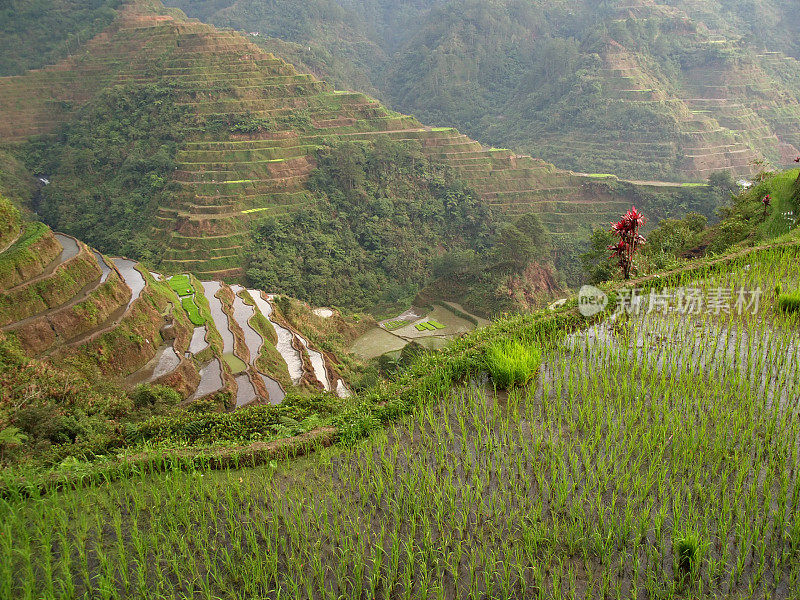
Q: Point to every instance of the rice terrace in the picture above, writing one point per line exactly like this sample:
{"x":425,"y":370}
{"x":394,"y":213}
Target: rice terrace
{"x":263,"y":336}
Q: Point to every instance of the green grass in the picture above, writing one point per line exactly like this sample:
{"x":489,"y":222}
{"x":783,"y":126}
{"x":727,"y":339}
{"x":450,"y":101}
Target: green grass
{"x":192,"y":310}
{"x":397,"y":324}
{"x":512,"y":362}
{"x":181,"y":285}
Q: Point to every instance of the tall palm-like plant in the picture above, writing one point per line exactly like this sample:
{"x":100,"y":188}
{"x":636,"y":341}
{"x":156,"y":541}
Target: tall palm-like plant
{"x":627,"y":230}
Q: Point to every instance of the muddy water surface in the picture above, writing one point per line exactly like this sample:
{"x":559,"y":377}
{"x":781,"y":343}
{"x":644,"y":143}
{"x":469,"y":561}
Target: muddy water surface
{"x":276,"y":393}
{"x":317,"y":363}
{"x":164,"y":362}
{"x":284,"y":345}
{"x":243,"y":313}
{"x":71,"y":247}
{"x":132,"y":277}
{"x":198,"y":343}
{"x":210,"y":379}
{"x":220,"y":318}
{"x":245,"y":393}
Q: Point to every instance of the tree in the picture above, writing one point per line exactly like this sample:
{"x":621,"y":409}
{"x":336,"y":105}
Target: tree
{"x":531,"y":225}
{"x":514,"y":249}
{"x":629,"y":239}
{"x":595,"y":262}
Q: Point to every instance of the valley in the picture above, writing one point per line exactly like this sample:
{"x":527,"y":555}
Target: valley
{"x":246,"y":129}
{"x":422,"y":299}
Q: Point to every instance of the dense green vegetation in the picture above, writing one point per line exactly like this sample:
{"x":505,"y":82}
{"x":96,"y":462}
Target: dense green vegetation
{"x":742,"y":221}
{"x":511,"y":362}
{"x":67,"y":413}
{"x":537,"y":77}
{"x":181,"y":285}
{"x":790,"y":302}
{"x":111,"y":166}
{"x":383,"y":213}
{"x":35,"y":33}
{"x":192,"y":311}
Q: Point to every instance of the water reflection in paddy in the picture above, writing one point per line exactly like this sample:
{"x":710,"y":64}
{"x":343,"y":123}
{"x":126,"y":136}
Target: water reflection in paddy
{"x":69,"y":245}
{"x":245,"y":393}
{"x":210,"y":379}
{"x":284,"y":345}
{"x":242,"y":313}
{"x":198,"y":343}
{"x":218,"y":315}
{"x":132,"y":277}
{"x":317,"y":363}
{"x":276,"y":393}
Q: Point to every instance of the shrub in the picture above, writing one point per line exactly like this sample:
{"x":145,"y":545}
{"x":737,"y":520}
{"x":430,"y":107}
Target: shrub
{"x":145,"y":395}
{"x":511,"y":362}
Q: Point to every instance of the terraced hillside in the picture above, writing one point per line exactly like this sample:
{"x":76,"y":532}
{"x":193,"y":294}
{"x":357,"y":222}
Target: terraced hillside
{"x":67,"y":304}
{"x":257,"y":124}
{"x":644,"y":89}
{"x":726,"y":106}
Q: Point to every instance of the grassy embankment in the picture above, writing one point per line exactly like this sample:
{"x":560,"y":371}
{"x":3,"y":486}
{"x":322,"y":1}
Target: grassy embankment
{"x":653,"y":456}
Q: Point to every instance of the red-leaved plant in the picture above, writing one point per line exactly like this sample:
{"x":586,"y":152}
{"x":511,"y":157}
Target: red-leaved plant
{"x":767,"y":202}
{"x":627,"y":230}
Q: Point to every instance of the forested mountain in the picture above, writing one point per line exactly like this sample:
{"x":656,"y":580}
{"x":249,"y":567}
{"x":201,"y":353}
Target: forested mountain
{"x":35,"y":33}
{"x":194,"y":150}
{"x":643,"y":89}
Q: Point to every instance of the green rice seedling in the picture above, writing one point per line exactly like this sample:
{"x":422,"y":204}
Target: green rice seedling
{"x":181,"y":285}
{"x":790,"y":301}
{"x":511,"y":362}
{"x":436,"y":324}
{"x":688,"y":551}
{"x":191,"y":309}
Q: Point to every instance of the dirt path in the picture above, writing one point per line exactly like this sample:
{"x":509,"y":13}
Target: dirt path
{"x":12,"y":242}
{"x":640,"y":181}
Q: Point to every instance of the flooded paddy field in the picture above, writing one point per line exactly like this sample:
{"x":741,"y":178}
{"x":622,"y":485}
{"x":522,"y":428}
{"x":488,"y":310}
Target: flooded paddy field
{"x":210,"y":380}
{"x":284,"y":346}
{"x":380,"y":340}
{"x":133,"y":278}
{"x":164,"y":362}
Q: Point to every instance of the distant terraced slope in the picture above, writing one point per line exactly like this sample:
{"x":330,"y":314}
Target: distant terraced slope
{"x":228,"y":176}
{"x":646,"y":89}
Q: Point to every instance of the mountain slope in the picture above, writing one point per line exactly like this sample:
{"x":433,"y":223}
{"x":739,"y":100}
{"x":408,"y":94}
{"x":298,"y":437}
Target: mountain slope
{"x":174,"y":138}
{"x":34,"y":33}
{"x":568,"y":82}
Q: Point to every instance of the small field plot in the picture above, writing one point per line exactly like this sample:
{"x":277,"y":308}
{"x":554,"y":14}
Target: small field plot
{"x":192,"y":310}
{"x":181,"y":285}
{"x":397,"y":324}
